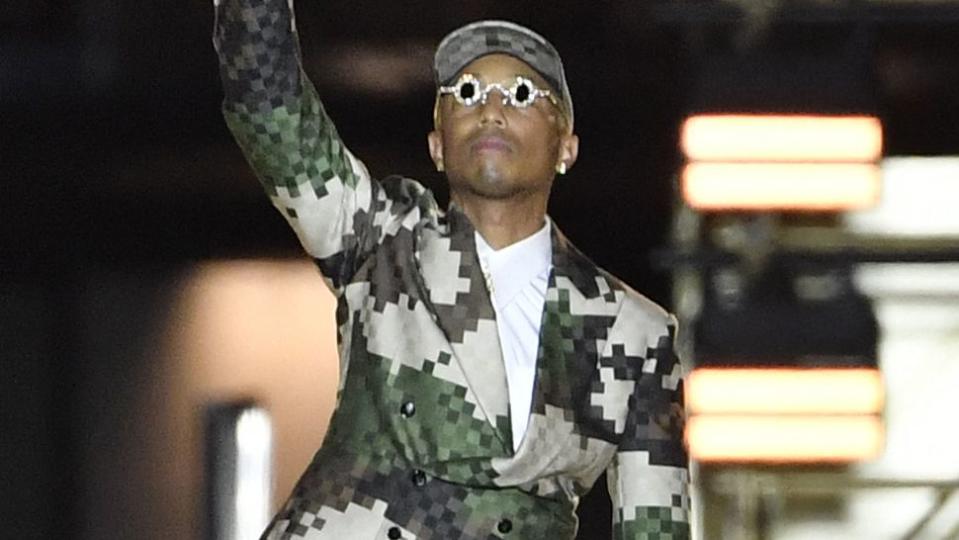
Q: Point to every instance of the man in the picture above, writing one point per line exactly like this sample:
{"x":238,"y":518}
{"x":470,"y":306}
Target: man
{"x":489,"y":371}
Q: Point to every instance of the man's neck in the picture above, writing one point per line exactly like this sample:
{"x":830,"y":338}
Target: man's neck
{"x":503,"y":222}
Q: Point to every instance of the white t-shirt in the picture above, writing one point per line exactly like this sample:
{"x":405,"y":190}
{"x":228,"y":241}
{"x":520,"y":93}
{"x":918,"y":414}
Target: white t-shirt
{"x":517,"y":276}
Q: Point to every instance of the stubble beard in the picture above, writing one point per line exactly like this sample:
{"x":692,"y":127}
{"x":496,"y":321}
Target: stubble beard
{"x":488,"y":182}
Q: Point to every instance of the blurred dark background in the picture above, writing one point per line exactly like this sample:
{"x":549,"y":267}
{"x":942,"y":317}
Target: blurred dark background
{"x":119,"y":175}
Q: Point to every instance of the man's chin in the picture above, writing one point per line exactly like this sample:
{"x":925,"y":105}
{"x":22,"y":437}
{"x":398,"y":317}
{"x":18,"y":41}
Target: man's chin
{"x":493,"y":190}
{"x":489,"y":182}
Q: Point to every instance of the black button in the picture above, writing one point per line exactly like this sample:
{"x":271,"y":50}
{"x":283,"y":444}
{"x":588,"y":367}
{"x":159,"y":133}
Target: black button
{"x":408,"y":409}
{"x":504,"y":526}
{"x":394,"y":533}
{"x":418,"y":477}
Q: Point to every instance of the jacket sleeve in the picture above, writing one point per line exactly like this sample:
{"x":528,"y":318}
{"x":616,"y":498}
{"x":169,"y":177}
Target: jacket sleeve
{"x":276,"y":116}
{"x":648,"y":479}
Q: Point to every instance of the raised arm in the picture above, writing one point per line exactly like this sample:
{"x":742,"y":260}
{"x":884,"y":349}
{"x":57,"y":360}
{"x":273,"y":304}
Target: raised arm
{"x":276,"y":116}
{"x":648,"y":480}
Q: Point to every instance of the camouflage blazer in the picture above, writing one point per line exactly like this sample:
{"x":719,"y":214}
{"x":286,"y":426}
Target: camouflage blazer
{"x":419,"y":445}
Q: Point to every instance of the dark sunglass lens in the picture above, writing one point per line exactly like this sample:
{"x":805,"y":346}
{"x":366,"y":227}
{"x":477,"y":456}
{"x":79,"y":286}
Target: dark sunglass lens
{"x":523,"y":93}
{"x":467,"y":90}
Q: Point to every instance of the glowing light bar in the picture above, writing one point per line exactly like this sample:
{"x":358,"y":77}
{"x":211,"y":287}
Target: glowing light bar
{"x":254,"y":473}
{"x":785,"y":186}
{"x":784,"y":438}
{"x":782,"y":138}
{"x":239,"y":443}
{"x":785,"y":391}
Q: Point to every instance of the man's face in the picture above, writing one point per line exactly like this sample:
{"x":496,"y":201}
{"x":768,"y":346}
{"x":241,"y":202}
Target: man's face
{"x":495,"y":150}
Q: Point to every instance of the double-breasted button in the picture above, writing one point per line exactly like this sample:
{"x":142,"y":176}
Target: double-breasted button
{"x":408,"y":409}
{"x":394,"y":533}
{"x":418,"y":478}
{"x":504,"y":526}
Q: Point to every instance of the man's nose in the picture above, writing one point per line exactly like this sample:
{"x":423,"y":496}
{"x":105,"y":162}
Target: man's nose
{"x":493,"y":108}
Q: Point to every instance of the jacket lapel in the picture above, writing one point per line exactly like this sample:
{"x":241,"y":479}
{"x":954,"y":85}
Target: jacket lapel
{"x":579,"y":310}
{"x":461,"y":301}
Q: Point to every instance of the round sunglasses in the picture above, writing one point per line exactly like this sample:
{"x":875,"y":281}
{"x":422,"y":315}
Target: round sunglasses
{"x":468,"y":91}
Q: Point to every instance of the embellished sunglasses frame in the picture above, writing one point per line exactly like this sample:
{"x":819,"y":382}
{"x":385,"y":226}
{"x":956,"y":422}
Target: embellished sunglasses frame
{"x":468,"y":91}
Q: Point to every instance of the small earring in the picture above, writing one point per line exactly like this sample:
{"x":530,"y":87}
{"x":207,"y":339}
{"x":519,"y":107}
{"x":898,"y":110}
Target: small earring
{"x":439,"y":166}
{"x":561,"y":168}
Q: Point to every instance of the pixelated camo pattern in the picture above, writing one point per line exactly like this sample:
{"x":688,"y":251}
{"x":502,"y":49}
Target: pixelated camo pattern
{"x":420,"y":443}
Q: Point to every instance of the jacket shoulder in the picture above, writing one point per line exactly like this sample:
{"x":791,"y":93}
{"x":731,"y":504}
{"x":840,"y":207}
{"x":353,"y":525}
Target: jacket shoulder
{"x":636,"y":309}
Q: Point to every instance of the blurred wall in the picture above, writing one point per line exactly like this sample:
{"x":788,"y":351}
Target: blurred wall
{"x":159,"y":348}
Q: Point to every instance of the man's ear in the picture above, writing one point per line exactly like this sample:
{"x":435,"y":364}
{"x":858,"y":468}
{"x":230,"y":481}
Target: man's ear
{"x":568,"y":151}
{"x":435,"y":141}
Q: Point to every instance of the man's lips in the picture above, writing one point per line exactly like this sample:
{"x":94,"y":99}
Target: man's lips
{"x":491,"y":143}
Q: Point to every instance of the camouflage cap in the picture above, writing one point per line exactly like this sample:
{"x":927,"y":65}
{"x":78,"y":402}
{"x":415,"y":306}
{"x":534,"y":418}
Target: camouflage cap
{"x":467,"y":43}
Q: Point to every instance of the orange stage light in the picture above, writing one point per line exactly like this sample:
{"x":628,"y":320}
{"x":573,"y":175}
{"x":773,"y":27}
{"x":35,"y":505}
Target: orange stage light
{"x":783,"y":186}
{"x":782,"y":138}
{"x":785,"y":414}
{"x":830,"y":391}
{"x":794,"y":439}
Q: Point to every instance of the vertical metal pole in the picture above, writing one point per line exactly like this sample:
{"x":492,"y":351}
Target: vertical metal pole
{"x":239,"y":453}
